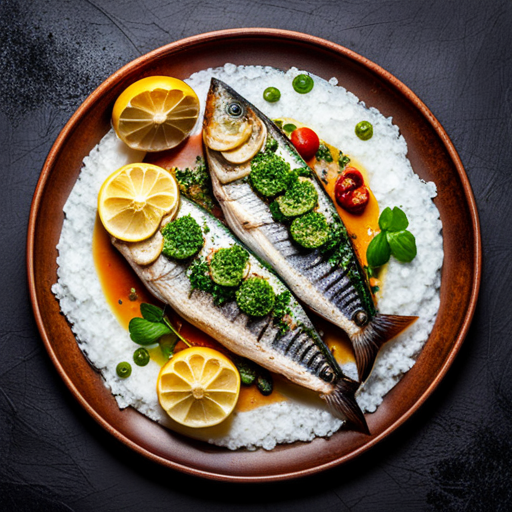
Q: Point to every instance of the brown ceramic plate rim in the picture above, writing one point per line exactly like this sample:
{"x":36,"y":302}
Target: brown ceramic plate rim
{"x":258,"y":34}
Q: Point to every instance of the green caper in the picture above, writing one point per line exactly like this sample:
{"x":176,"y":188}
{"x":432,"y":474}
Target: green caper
{"x":141,"y":357}
{"x":271,"y":94}
{"x":364,"y":130}
{"x":303,"y":84}
{"x":124,"y":370}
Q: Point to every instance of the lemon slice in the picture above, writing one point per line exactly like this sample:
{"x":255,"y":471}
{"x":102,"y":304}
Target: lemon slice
{"x":198,"y":387}
{"x":133,"y":200}
{"x":155,"y":113}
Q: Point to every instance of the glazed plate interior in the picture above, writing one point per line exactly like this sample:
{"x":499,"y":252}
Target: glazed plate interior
{"x":433,"y":158}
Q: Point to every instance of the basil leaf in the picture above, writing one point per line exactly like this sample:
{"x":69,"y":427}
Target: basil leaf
{"x":151,"y":313}
{"x":385,"y":219}
{"x":399,"y":221}
{"x":145,"y":332}
{"x":403,"y":245}
{"x":378,"y":251}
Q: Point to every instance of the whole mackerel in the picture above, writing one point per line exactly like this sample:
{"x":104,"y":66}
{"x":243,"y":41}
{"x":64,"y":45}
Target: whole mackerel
{"x":331,"y":282}
{"x":289,"y":346}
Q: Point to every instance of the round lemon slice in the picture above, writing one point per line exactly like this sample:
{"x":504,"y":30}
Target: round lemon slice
{"x":133,"y":200}
{"x":155,"y":113}
{"x":198,"y":387}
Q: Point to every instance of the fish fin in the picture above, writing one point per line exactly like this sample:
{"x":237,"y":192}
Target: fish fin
{"x":343,"y":402}
{"x":380,"y":329}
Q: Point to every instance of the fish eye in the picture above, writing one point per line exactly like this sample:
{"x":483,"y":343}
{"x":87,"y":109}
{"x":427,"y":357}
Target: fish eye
{"x":326,"y":374}
{"x":235,"y":109}
{"x":361,"y":317}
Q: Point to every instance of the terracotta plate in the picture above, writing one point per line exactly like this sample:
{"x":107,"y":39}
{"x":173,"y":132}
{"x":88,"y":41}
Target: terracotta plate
{"x":433,"y":157}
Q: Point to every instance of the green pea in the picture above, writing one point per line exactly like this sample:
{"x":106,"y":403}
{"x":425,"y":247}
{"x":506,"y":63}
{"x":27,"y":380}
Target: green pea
{"x":271,"y":94}
{"x":124,"y":370}
{"x":364,"y":130}
{"x":141,"y":357}
{"x":303,"y":84}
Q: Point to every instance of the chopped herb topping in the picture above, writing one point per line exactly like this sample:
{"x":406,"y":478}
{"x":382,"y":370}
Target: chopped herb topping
{"x":199,"y":276}
{"x":270,"y":174}
{"x":276,"y":212}
{"x":323,"y":153}
{"x":343,"y":161}
{"x":227,"y":265}
{"x":281,"y":309}
{"x":301,"y":198}
{"x":310,"y":230}
{"x":255,"y":297}
{"x":183,"y":238}
{"x":196,"y":184}
{"x":271,"y":145}
{"x":303,"y":172}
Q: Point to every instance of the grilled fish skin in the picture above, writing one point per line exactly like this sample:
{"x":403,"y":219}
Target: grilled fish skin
{"x":298,"y":354}
{"x":336,"y":291}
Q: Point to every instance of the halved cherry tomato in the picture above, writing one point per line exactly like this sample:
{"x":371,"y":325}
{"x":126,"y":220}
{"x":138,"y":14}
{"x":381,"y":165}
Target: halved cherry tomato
{"x":306,"y":142}
{"x":351,"y":192}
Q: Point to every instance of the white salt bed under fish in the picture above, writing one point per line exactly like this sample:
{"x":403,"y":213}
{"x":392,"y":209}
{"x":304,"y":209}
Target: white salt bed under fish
{"x":409,"y":289}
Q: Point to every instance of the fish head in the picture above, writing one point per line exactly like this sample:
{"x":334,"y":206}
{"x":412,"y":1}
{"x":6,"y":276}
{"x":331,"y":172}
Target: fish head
{"x":231,"y":126}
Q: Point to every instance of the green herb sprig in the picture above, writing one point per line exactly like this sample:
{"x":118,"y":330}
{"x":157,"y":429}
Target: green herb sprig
{"x":154,"y":326}
{"x":393,"y":239}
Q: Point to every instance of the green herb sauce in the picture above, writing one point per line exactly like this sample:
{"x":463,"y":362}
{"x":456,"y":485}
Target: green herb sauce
{"x":364,"y":130}
{"x":183,"y":238}
{"x":227,"y":265}
{"x":255,"y":297}
{"x":199,"y":276}
{"x":196,"y":184}
{"x":301,"y":198}
{"x":270,"y":174}
{"x":323,"y":153}
{"x":310,"y":230}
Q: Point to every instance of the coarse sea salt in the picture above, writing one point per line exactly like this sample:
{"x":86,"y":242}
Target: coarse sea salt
{"x":409,"y":289}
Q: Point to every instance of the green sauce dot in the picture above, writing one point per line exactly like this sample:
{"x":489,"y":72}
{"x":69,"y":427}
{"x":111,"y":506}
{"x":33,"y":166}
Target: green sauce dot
{"x":141,"y":357}
{"x":303,"y":84}
{"x":124,"y":370}
{"x":271,"y":94}
{"x":364,"y":130}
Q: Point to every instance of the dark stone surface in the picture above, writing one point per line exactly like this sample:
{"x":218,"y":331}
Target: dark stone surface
{"x":455,"y":453}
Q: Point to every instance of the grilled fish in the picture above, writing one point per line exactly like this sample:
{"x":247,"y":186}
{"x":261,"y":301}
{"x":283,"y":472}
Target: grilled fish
{"x":328,"y":278}
{"x":288,"y":345}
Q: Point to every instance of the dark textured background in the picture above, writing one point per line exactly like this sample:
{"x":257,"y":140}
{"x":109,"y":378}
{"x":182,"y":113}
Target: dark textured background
{"x":456,"y":452}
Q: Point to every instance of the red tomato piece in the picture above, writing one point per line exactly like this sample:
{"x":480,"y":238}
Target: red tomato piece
{"x":306,"y":142}
{"x":351,"y":192}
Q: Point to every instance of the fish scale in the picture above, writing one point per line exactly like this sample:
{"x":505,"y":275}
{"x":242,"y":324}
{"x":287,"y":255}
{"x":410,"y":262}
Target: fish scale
{"x":320,"y":280}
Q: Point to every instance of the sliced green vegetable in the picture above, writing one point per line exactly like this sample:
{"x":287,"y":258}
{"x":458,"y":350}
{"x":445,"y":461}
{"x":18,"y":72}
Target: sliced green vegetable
{"x":310,"y":230}
{"x":183,"y":238}
{"x":255,"y":297}
{"x":301,"y":198}
{"x":227,"y":265}
{"x":270,"y":174}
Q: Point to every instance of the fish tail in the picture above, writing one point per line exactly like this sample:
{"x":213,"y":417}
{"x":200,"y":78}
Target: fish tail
{"x":382,"y":328}
{"x":343,"y":401}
